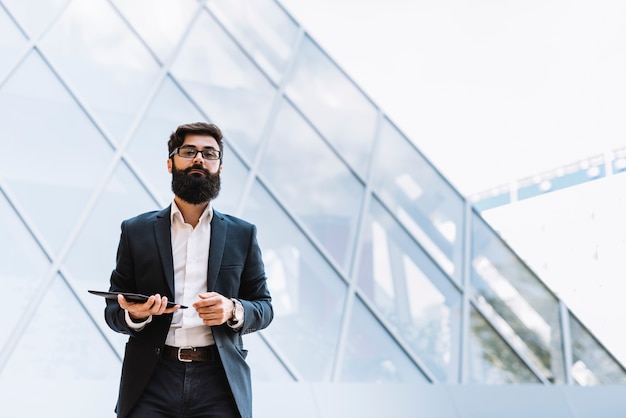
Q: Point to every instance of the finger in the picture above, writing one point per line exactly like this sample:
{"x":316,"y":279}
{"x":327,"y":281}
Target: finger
{"x":163,"y":305}
{"x":122,"y":301}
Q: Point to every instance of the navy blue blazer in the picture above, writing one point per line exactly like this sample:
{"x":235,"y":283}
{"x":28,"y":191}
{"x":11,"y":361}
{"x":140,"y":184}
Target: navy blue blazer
{"x":145,"y":265}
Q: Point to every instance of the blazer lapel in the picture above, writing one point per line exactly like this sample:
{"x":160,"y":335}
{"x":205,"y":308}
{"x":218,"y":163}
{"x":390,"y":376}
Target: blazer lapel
{"x":216,"y":248}
{"x":163,"y":236}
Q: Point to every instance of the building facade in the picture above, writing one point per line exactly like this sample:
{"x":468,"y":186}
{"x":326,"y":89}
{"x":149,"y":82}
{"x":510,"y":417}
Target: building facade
{"x":381,"y":272}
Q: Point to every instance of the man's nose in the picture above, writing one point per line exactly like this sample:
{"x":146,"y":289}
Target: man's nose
{"x":198,"y":157}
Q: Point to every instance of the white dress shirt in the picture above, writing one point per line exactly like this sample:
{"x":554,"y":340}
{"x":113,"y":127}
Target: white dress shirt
{"x":190,"y":251}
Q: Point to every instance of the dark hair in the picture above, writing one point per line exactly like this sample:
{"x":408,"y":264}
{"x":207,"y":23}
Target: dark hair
{"x":198,"y":128}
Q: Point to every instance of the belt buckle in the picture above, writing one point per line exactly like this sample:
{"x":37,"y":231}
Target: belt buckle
{"x":180,"y":350}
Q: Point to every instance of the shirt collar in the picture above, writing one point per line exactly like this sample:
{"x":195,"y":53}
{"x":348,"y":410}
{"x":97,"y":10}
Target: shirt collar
{"x":206,"y":215}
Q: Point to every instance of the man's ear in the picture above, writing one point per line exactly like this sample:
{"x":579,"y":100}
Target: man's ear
{"x":169,"y":165}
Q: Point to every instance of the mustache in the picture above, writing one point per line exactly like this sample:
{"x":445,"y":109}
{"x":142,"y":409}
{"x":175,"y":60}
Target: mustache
{"x":197,"y":167}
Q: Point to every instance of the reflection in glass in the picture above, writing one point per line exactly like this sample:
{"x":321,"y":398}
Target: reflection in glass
{"x":225,"y":84}
{"x":491,"y":360}
{"x":103,"y":60}
{"x":371,"y":355}
{"x":334,"y":104}
{"x":321,"y":190}
{"x":67,"y":160}
{"x":591,"y":363}
{"x":516,"y":301}
{"x":262,"y":27}
{"x":418,"y":300}
{"x":307,"y":294}
{"x":420,"y":198}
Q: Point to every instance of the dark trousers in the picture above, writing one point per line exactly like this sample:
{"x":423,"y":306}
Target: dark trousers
{"x":187,"y":390}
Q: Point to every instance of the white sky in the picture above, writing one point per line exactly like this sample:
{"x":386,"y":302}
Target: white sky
{"x":489,"y":90}
{"x":497,"y":90}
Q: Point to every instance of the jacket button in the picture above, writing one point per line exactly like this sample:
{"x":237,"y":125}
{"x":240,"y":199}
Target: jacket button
{"x":157,"y":351}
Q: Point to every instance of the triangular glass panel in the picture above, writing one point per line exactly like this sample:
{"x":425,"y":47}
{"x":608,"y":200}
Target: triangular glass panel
{"x":103,"y":60}
{"x":372,"y":355}
{"x":516,"y":302}
{"x":23,"y":266}
{"x":491,"y":359}
{"x":334,"y":104}
{"x":91,"y":258}
{"x":60,"y":163}
{"x":12,"y":43}
{"x":322,"y":191}
{"x":265,"y":365}
{"x":34,"y":15}
{"x":263,"y":28}
{"x":63,"y":357}
{"x":308,"y":295}
{"x":150,"y":17}
{"x":420,"y":198}
{"x":591,"y":364}
{"x":419,"y":301}
{"x":223,"y":90}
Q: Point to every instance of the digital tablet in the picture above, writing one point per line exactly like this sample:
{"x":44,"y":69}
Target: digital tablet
{"x":131,"y":297}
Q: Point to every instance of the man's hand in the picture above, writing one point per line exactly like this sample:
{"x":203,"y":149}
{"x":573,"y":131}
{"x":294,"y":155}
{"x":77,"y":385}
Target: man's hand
{"x":213,"y":308}
{"x":155,"y":305}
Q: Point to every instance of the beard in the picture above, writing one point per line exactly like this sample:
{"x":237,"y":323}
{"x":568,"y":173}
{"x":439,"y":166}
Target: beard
{"x":195,"y":188}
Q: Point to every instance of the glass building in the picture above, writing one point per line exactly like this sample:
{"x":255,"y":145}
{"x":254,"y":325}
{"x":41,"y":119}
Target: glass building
{"x":381,"y":272}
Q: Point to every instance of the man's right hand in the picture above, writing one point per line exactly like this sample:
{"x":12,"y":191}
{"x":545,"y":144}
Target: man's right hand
{"x":155,"y":305}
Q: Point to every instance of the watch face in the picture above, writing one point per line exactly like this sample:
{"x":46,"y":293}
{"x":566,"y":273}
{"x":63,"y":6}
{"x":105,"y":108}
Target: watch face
{"x":238,"y":311}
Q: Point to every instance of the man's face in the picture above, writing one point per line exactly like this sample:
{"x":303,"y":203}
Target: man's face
{"x":196,"y":180}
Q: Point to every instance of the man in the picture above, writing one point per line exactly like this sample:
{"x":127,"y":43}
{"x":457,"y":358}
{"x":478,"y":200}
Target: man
{"x":188,"y":362}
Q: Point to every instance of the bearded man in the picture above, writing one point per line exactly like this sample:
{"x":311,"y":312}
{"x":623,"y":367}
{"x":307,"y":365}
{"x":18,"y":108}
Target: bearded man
{"x":188,"y":362}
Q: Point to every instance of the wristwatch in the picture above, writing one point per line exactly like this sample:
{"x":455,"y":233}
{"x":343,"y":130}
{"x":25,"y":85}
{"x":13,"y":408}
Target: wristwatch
{"x":237,"y":313}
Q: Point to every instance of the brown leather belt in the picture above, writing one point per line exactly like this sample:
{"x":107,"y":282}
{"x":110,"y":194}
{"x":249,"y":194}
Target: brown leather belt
{"x":189,"y":354}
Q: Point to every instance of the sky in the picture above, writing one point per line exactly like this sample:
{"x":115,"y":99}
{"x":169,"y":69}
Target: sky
{"x":489,"y":90}
{"x":492,"y":91}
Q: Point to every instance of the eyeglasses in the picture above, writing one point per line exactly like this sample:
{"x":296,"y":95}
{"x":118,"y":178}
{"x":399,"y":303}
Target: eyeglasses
{"x":189,"y":152}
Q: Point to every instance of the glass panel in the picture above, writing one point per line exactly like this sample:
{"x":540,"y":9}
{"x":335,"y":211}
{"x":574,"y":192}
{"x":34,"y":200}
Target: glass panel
{"x":592,"y":364}
{"x":12,"y":42}
{"x":308,"y":295}
{"x":420,"y":198}
{"x":371,"y":355}
{"x":263,"y":28}
{"x":147,"y":151}
{"x":321,"y":190}
{"x":334,"y":104}
{"x":263,"y":362}
{"x":491,"y":360}
{"x":55,"y":164}
{"x":516,"y":301}
{"x":34,"y":15}
{"x":103,"y":60}
{"x":419,"y":301}
{"x":234,"y":176}
{"x":234,"y":93}
{"x":22,"y":267}
{"x":63,"y":359}
{"x":91,"y":258}
{"x":150,"y":17}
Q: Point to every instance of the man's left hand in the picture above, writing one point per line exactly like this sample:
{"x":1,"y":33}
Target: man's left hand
{"x":213,"y":308}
